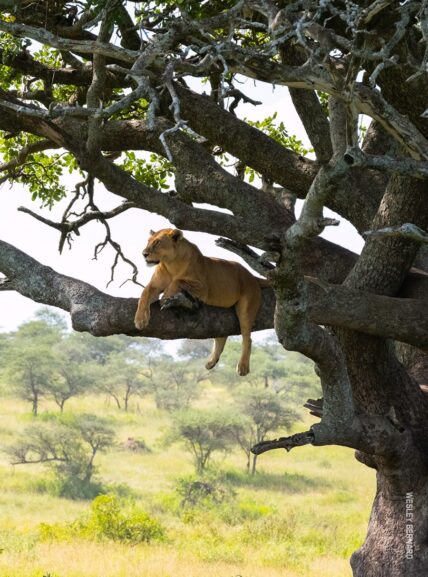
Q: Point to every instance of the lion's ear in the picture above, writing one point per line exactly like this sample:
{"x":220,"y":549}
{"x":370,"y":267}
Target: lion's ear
{"x":152,"y":232}
{"x":177,"y":234}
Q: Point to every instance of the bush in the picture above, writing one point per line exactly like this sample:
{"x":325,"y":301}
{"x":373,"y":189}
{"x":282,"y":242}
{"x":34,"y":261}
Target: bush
{"x":110,"y":519}
{"x":213,"y":499}
{"x":196,"y":492}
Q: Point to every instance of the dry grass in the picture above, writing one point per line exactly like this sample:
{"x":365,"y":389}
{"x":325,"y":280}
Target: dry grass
{"x":323,"y":495}
{"x":94,"y":560}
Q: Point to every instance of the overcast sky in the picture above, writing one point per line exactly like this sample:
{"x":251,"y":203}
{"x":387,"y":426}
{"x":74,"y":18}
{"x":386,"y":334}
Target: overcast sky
{"x":131,"y":228}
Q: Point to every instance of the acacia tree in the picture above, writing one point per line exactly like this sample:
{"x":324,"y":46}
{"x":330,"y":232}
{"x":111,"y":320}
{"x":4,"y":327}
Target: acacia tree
{"x":266,"y":413}
{"x":102,"y":82}
{"x":29,"y":363}
{"x":69,"y":446}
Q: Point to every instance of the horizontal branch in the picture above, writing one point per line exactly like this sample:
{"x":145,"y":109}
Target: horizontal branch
{"x":401,"y":319}
{"x":406,"y":230}
{"x":355,"y":157}
{"x":374,"y":435}
{"x":287,"y":443}
{"x":253,"y":147}
{"x":101,"y":314}
{"x":77,"y":76}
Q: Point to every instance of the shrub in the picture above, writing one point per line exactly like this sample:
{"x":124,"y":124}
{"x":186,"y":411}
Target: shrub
{"x":110,"y":519}
{"x":196,"y":492}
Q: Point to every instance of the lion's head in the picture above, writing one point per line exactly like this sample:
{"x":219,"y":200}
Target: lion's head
{"x":162,"y":245}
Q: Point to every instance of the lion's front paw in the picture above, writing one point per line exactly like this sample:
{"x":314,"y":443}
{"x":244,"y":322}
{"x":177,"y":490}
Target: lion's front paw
{"x":142,"y":320}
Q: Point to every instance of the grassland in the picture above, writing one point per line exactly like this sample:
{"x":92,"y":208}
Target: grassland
{"x":303,"y":514}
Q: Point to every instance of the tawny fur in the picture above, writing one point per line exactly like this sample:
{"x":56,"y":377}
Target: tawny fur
{"x":180,"y":265}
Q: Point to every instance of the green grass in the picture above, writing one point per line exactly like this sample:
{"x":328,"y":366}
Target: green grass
{"x":303,"y":514}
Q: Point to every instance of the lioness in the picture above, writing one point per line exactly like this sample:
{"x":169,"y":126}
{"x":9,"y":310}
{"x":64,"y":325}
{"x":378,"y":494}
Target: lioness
{"x":180,"y":265}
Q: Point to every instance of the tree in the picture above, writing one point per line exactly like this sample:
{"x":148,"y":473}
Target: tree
{"x":176,"y":383}
{"x":75,"y":371}
{"x":266,"y":414}
{"x":69,"y":446}
{"x":42,"y":360}
{"x":204,"y":433}
{"x":97,"y":98}
{"x":30,"y":363}
{"x":125,"y":376}
{"x":192,"y":349}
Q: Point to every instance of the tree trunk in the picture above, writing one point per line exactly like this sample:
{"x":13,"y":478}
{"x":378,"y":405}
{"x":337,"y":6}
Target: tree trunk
{"x":396,"y":544}
{"x":254,"y":465}
{"x":126,"y":397}
{"x":248,"y":467}
{"x":116,"y":400}
{"x":35,"y":406}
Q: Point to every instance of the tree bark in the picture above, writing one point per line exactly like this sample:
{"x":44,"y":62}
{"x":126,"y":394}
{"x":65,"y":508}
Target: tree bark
{"x":396,"y":543}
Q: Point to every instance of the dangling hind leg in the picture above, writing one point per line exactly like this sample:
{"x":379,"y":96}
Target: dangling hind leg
{"x":218,"y":346}
{"x":246,"y":310}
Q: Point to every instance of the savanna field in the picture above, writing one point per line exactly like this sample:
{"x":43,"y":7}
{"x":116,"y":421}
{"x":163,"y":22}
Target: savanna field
{"x":303,"y":513}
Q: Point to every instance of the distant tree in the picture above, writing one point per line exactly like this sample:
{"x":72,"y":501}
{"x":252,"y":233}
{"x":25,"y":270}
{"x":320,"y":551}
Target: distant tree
{"x":125,"y":375}
{"x":287,"y":372}
{"x":30,"y":362}
{"x":195,"y":349}
{"x":99,"y":349}
{"x":265,"y":412}
{"x":52,"y":319}
{"x":176,"y":384}
{"x":204,"y":433}
{"x":76,"y":372}
{"x":69,"y":447}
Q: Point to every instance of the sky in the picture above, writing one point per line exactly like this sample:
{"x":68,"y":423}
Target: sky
{"x":130,"y":229}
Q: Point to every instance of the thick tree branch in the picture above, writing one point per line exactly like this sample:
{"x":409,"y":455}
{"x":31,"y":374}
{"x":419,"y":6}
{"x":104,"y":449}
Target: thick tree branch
{"x":309,"y":108}
{"x":395,"y":318}
{"x":252,"y":146}
{"x":101,"y":314}
{"x":406,"y":230}
{"x":80,"y":75}
{"x":278,"y":164}
{"x":401,"y":319}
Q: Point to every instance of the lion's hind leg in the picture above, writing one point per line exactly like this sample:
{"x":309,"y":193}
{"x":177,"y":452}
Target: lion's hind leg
{"x":246,"y":310}
{"x":218,"y":346}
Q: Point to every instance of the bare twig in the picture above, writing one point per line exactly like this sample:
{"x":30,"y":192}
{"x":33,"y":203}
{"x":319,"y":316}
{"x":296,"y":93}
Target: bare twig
{"x":247,"y":254}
